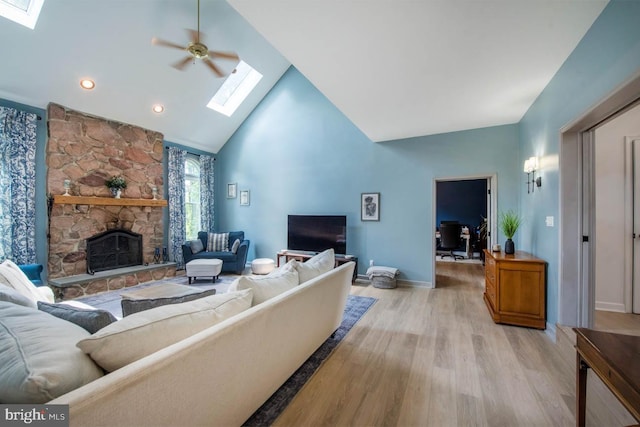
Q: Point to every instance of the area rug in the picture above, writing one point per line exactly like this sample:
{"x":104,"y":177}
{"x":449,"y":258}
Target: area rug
{"x":356,"y":307}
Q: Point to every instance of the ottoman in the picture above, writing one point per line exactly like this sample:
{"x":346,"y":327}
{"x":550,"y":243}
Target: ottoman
{"x":204,"y":267}
{"x":262,"y":266}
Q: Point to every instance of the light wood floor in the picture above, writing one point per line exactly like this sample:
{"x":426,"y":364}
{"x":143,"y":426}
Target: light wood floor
{"x":433,"y":357}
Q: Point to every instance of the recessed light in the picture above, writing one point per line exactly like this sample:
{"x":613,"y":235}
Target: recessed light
{"x":87,"y":84}
{"x":158,"y":108}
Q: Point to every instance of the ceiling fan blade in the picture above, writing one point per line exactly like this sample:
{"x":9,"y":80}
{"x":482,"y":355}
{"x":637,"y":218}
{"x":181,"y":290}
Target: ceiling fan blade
{"x":225,"y":55}
{"x":180,"y":65}
{"x":159,"y":42}
{"x":194,"y":36}
{"x":213,"y":67}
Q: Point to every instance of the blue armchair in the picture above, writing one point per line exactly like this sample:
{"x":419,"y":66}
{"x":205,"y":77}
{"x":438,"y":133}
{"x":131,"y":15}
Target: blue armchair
{"x":231,"y":262}
{"x":32,"y":271}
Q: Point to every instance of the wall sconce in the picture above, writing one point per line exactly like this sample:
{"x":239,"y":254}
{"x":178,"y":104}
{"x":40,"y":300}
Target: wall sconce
{"x":530,"y":168}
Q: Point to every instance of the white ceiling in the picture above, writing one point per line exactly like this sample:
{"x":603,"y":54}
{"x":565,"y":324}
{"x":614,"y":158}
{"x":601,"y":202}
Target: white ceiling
{"x":396,"y":69}
{"x":405,"y":68}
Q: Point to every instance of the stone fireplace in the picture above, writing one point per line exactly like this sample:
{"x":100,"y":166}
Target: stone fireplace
{"x":87,"y":150}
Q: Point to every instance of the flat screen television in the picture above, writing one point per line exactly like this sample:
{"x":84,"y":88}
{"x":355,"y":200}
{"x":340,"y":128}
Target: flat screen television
{"x":316,"y":233}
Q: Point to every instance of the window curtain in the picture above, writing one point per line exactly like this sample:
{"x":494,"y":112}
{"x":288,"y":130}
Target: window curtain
{"x":177,"y":228}
{"x":17,"y":185}
{"x":207,"y":181}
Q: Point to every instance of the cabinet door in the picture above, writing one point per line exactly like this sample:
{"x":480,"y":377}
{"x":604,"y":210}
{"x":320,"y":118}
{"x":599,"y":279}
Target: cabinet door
{"x":521,"y":289}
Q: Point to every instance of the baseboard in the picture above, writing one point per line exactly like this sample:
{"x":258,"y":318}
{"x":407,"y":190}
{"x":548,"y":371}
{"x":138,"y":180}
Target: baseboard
{"x":610,"y":306}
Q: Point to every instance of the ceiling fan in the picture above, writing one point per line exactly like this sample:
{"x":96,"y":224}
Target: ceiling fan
{"x":197,"y":50}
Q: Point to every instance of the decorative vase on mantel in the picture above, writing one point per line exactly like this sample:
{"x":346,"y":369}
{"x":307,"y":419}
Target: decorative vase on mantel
{"x":116,"y":192}
{"x":509,"y":247}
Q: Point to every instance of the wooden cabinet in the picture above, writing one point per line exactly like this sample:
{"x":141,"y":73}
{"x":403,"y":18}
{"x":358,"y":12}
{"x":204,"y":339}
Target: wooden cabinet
{"x":515,"y":289}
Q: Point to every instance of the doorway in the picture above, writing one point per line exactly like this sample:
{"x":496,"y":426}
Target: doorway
{"x":467,"y":200}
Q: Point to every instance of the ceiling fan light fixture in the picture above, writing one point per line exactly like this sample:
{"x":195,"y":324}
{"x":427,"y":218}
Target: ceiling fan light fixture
{"x":158,"y":108}
{"x":87,"y":84}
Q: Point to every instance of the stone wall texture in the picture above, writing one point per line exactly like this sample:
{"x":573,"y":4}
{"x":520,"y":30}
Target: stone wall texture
{"x":88,"y":150}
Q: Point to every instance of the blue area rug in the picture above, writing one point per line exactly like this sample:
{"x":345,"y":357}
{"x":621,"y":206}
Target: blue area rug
{"x":356,"y":307}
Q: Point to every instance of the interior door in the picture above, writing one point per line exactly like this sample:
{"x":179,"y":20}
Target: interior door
{"x":634,"y":141}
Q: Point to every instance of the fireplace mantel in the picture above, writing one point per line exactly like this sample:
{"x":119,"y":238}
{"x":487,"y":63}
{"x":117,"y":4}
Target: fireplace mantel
{"x":106,"y":201}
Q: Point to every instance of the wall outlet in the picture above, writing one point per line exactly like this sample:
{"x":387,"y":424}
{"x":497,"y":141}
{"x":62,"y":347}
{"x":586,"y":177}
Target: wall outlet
{"x":370,"y":263}
{"x":549,"y":221}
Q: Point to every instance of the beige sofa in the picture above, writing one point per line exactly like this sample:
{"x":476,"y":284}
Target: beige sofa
{"x":222,"y":374}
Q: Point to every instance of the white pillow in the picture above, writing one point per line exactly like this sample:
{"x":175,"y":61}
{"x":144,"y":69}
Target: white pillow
{"x":39,"y":360}
{"x":7,"y":293}
{"x":316,"y":265}
{"x":266,"y":287}
{"x":20,"y":282}
{"x":145,"y":332}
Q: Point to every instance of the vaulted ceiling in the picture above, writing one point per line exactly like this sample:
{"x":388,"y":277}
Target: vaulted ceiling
{"x":396,"y":69}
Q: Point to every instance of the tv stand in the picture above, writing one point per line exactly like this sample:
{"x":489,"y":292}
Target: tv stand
{"x":303,"y":256}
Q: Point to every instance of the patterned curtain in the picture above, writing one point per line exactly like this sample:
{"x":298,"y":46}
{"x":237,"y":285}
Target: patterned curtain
{"x":17,"y":185}
{"x":177,"y":228}
{"x":207,"y":181}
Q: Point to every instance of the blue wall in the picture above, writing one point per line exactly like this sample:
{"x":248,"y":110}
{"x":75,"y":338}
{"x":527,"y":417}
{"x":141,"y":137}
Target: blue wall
{"x":297,"y":153}
{"x":41,"y":172}
{"x":463,"y":201}
{"x":608,"y":55}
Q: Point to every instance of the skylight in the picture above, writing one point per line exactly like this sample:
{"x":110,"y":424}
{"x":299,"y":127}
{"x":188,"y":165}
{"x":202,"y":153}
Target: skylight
{"x":235,"y":89}
{"x":24,"y":12}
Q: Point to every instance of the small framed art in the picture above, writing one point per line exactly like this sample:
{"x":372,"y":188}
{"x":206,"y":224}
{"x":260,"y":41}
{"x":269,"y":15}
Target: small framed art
{"x":244,"y":198}
{"x":370,"y":207}
{"x":232,"y":190}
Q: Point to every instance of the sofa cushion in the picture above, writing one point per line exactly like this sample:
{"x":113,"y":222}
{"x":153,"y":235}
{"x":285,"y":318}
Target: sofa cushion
{"x":39,"y":360}
{"x":87,"y":318}
{"x":224,"y":256}
{"x":146,"y":332}
{"x":218,"y":242}
{"x":235,"y":246}
{"x":196,"y":246}
{"x":316,"y":265}
{"x":8,"y":294}
{"x":130,"y":306}
{"x":21,"y":283}
{"x":269,"y":286}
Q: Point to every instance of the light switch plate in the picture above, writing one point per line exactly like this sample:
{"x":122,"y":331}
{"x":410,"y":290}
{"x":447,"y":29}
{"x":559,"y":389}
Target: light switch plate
{"x":549,"y":221}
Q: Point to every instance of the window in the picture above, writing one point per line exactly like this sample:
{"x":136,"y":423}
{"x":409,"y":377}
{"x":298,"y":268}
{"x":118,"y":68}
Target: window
{"x":192,"y":196}
{"x":24,"y":12}
{"x":235,"y":89}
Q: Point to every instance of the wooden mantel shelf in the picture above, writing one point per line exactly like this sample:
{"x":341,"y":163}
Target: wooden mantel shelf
{"x":106,"y":201}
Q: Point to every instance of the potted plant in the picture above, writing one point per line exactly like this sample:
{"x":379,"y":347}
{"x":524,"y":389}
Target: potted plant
{"x":509,"y":222}
{"x":116,"y":184}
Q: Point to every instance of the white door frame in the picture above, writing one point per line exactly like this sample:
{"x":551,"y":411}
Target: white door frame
{"x":492,"y":208}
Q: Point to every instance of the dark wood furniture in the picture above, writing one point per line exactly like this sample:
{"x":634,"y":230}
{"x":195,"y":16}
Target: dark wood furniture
{"x":515,"y":289}
{"x":303,"y":256}
{"x":615,"y":359}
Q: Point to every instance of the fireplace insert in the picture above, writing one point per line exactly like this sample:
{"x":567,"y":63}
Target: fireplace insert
{"x":113,"y":249}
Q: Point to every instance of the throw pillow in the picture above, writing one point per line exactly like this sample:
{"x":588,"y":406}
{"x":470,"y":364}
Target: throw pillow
{"x":235,"y":246}
{"x":90,"y":319}
{"x":146,"y":332}
{"x":130,"y":306}
{"x":269,"y":286}
{"x":9,"y":294}
{"x":19,"y":281}
{"x":196,"y":246}
{"x":39,"y":360}
{"x":316,"y":265}
{"x":218,"y":242}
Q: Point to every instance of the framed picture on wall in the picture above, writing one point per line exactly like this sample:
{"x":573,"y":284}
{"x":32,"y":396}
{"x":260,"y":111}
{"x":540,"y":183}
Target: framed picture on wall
{"x":232,"y":190}
{"x":370,"y":207}
{"x":244,"y":198}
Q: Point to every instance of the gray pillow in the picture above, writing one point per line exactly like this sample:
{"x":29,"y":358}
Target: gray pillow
{"x":9,"y":294}
{"x":196,"y":246}
{"x":91,"y":320}
{"x":130,"y":306}
{"x":235,"y":246}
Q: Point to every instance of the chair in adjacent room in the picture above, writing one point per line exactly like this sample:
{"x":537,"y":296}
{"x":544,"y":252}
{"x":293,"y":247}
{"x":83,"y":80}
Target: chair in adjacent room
{"x":450,"y":239}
